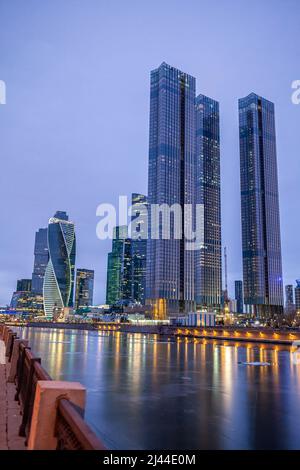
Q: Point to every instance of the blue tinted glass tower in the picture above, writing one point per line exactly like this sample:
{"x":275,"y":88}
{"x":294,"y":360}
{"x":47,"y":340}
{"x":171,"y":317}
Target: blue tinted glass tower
{"x":84,"y":288}
{"x":262,"y":266}
{"x":239,"y":297}
{"x":208,"y":260}
{"x":41,"y":258}
{"x":139,"y":246}
{"x":170,"y":267}
{"x":59,"y":276}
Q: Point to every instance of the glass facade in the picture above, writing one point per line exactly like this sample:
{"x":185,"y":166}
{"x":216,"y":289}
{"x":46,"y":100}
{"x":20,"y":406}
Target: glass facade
{"x":119,"y":269}
{"x":261,"y":244}
{"x":24,"y":285}
{"x":297,"y":296}
{"x":289,"y":296}
{"x":239,"y":296}
{"x":171,"y":180}
{"x":41,"y":258}
{"x":84,"y":288}
{"x":59,"y":276}
{"x":208,"y":260}
{"x":139,"y":247}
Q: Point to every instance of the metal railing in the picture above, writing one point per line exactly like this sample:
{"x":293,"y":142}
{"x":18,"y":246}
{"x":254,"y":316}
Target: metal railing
{"x":71,"y":431}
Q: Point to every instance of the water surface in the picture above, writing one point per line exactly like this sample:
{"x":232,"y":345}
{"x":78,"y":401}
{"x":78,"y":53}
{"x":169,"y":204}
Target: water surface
{"x":150,"y":392}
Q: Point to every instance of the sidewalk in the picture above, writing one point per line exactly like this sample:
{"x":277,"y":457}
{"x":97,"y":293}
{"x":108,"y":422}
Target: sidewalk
{"x":10,"y":418}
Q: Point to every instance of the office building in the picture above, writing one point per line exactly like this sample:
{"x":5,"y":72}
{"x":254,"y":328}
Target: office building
{"x":239,"y":296}
{"x":24,"y":285}
{"x":261,"y":244}
{"x":41,"y":258}
{"x":84,"y":288}
{"x":139,"y":232}
{"x":59,"y":276}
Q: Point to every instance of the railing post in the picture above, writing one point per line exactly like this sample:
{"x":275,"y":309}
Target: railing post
{"x":26,"y":404}
{"x":15,"y":357}
{"x":42,"y":429}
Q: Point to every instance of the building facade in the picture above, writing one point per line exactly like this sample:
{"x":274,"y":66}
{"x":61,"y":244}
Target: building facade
{"x":171,"y":180}
{"x":139,"y":231}
{"x":84,"y":288}
{"x":208,"y":260}
{"x":24,"y":285}
{"x":41,"y":258}
{"x":289,"y":296}
{"x":239,"y":296}
{"x":261,"y":244}
{"x":58,"y":286}
{"x":297,"y":296}
{"x":119,"y":269}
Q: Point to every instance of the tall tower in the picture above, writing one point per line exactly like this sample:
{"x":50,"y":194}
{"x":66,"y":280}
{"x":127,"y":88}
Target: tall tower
{"x":84,"y":288}
{"x":262,"y":267}
{"x":289,"y":296}
{"x":41,"y":258}
{"x":297,"y":297}
{"x":239,"y":297}
{"x":119,"y":268}
{"x":171,"y":180}
{"x":139,"y":246}
{"x":59,"y":276}
{"x":208,"y":285}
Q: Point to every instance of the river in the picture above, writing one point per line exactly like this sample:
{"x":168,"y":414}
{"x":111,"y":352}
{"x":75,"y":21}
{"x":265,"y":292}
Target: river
{"x":151,"y":392}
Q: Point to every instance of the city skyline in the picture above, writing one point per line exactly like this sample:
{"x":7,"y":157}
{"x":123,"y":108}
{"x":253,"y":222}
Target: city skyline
{"x":28,"y":89}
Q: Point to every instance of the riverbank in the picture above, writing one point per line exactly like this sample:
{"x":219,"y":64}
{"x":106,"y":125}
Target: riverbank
{"x":255,"y":335}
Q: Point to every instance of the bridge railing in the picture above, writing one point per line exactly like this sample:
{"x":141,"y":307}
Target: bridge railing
{"x":71,"y":432}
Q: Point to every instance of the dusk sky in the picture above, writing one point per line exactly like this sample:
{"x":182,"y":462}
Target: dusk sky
{"x":74,"y":130}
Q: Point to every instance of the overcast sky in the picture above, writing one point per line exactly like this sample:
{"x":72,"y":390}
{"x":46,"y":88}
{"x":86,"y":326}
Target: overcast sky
{"x":74,"y":131}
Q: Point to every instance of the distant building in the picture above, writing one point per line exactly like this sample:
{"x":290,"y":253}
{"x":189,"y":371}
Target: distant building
{"x":262,"y":265}
{"x":84,"y":288}
{"x":59,"y":276}
{"x":208,"y":259}
{"x":297,"y":296}
{"x":24,"y":285}
{"x":139,"y":247}
{"x":27,"y":303}
{"x":239,"y":297}
{"x":289,"y":297}
{"x":41,"y":258}
{"x":119,"y":268}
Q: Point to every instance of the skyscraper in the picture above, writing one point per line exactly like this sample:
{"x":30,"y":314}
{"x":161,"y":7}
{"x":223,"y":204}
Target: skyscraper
{"x":297,"y":296}
{"x":208,"y":260}
{"x":24,"y":285}
{"x":289,"y":296}
{"x":84,"y":288}
{"x":171,"y":180}
{"x":262,"y":267}
{"x":139,"y":246}
{"x":119,"y":268}
{"x":239,"y":297}
{"x":59,"y":276}
{"x":41,"y":258}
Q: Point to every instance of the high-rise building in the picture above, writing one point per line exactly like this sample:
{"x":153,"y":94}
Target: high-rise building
{"x":289,"y":296}
{"x":171,"y":180}
{"x":24,"y":285}
{"x":208,"y":260}
{"x":262,"y":266}
{"x":59,"y":276}
{"x":119,"y":268}
{"x":139,"y":246}
{"x":297,"y":296}
{"x":239,"y":297}
{"x":84,"y":288}
{"x":41,"y":258}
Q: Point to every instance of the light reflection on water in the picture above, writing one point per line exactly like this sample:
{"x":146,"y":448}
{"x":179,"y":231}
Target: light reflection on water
{"x":149,"y":392}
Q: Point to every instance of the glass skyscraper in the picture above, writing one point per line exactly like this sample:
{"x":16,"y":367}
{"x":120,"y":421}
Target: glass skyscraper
{"x":84,"y":288}
{"x":297,"y":296}
{"x":139,"y":247}
{"x":41,"y":258}
{"x":239,"y":297}
{"x":24,"y":285}
{"x":59,"y":276}
{"x":119,"y":268}
{"x":208,"y":259}
{"x":261,"y":244}
{"x":171,"y":180}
